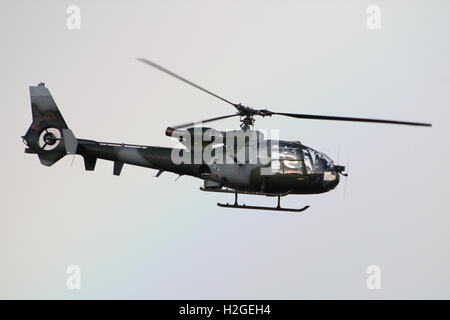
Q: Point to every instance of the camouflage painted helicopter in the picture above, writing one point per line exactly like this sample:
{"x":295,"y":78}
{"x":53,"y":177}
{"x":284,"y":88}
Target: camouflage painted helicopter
{"x":288,"y":167}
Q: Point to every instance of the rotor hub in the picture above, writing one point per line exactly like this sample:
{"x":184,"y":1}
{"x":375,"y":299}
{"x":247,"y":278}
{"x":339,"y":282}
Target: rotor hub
{"x":247,"y":115}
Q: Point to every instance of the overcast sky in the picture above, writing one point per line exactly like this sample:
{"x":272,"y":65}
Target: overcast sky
{"x":137,"y":236}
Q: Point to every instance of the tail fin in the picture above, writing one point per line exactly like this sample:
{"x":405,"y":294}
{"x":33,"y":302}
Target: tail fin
{"x":48,"y":136}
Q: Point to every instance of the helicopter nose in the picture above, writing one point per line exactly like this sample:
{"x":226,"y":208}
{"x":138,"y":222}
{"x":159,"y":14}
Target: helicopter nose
{"x":339,"y":168}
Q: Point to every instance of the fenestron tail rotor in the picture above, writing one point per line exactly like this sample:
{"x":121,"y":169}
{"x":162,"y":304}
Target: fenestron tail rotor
{"x":49,"y":139}
{"x":247,"y":114}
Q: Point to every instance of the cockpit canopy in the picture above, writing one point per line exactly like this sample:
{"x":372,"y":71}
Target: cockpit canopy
{"x":315,"y":161}
{"x":292,"y":156}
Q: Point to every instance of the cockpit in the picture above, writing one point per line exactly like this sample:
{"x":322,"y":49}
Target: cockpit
{"x":316,"y":162}
{"x":295,"y":158}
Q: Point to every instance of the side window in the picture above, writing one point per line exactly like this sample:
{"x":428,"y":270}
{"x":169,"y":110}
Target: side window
{"x":291,"y":160}
{"x":292,"y":167}
{"x":276,"y":168}
{"x":308,"y":162}
{"x":287,"y":159}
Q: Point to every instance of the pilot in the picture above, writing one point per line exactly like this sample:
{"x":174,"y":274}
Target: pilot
{"x":318,"y":163}
{"x":324,"y":163}
{"x":321,"y":162}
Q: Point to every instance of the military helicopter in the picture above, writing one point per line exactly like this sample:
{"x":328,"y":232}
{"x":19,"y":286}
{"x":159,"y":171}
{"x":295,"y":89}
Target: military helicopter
{"x":284,"y":168}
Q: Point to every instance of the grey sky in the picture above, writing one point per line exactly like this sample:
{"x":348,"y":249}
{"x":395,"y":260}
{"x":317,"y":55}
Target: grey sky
{"x":136,"y":236}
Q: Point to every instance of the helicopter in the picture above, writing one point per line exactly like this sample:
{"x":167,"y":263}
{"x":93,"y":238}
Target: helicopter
{"x":238,"y":161}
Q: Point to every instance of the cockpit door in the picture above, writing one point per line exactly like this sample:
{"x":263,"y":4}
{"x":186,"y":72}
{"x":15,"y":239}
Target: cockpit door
{"x":288,"y":159}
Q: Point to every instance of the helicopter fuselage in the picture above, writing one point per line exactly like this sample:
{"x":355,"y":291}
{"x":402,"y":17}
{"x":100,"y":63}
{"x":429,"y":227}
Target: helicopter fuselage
{"x":286,"y":174}
{"x":229,"y":161}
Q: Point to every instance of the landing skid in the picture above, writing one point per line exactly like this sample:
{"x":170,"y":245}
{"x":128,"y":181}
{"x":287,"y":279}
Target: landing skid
{"x":243,"y":206}
{"x":238,"y":206}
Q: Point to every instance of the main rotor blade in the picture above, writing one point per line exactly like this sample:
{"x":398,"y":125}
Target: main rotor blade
{"x":320,"y":117}
{"x":154,"y":65}
{"x":190,"y":124}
